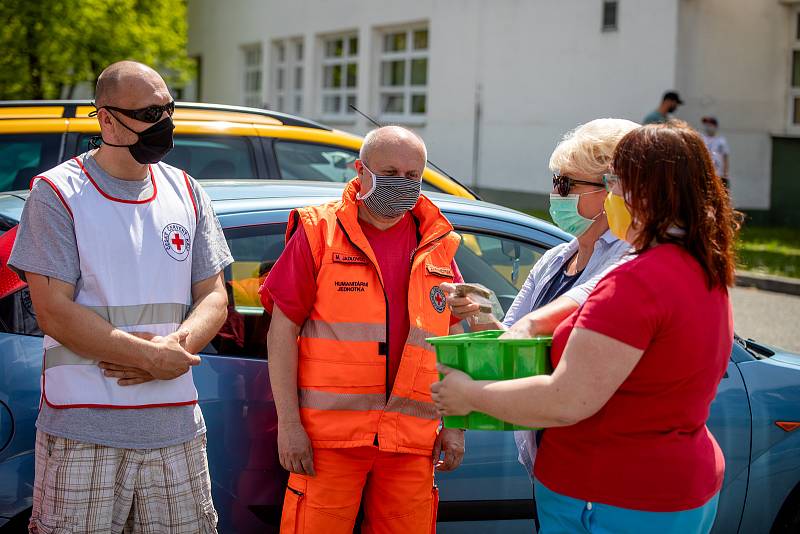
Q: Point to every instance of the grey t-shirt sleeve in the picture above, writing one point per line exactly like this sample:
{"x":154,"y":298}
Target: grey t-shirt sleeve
{"x":211,"y":253}
{"x":45,"y":242}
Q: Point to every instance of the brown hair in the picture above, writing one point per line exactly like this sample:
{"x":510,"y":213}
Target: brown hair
{"x":669,"y":180}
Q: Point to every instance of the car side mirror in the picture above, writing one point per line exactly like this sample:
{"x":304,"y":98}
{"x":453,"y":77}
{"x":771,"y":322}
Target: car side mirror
{"x":512,"y":251}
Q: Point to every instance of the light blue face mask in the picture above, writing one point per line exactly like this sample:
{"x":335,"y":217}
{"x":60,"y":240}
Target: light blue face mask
{"x":564,"y":211}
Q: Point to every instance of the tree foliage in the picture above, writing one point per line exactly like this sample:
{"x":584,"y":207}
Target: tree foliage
{"x":48,"y":47}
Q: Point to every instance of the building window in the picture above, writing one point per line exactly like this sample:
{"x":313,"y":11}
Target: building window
{"x":287,"y":76}
{"x":339,"y":75}
{"x":610,"y":13}
{"x":403,"y":82}
{"x":251,"y":83}
{"x":797,"y":26}
{"x":794,"y":75}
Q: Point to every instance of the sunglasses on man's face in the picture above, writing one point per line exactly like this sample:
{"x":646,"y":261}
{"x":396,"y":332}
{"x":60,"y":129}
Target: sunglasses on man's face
{"x":563,"y":184}
{"x":151,"y":114}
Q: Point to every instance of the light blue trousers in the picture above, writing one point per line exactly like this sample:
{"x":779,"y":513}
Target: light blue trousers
{"x":559,"y":514}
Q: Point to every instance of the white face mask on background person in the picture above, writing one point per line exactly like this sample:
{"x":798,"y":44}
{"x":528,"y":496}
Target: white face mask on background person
{"x":710,"y":129}
{"x":391,"y":196}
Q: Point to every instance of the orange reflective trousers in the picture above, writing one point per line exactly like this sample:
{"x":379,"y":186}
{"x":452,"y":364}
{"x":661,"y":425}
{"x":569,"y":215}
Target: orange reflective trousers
{"x":397,"y":489}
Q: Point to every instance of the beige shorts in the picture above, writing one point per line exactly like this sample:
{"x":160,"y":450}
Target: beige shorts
{"x":86,"y":488}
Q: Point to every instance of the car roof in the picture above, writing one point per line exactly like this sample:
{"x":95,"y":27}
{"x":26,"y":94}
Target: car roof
{"x":192,"y":118}
{"x":43,"y":109}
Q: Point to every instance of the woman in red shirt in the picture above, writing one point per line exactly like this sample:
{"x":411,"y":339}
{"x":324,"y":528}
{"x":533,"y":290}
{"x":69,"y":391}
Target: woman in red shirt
{"x":636,"y":367}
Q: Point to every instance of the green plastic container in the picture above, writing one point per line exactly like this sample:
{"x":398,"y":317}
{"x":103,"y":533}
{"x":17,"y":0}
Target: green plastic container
{"x":484,"y":357}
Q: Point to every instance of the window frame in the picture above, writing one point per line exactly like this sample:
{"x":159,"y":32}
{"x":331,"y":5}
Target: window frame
{"x":247,"y":96}
{"x":285,"y":98}
{"x":407,"y":90}
{"x":793,"y":91}
{"x":348,"y":57}
{"x":605,"y":26}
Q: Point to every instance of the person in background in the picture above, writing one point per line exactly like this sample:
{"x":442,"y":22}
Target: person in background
{"x":353,"y":298}
{"x":718,"y":147}
{"x":627,"y":448}
{"x":669,"y":104}
{"x":565,"y":275}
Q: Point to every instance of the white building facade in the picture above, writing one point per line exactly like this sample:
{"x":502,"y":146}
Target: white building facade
{"x":492,"y":85}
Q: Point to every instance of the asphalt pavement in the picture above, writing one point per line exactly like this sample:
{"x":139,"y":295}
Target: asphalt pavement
{"x":768,"y":317}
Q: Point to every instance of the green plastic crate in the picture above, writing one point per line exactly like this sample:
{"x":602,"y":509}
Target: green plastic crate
{"x":484,"y":357}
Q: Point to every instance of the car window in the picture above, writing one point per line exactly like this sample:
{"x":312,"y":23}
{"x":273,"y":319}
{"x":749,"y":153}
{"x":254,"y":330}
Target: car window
{"x":429,"y":187}
{"x":10,"y":211}
{"x":207,"y":157}
{"x":16,"y":313}
{"x":500,"y":263}
{"x":255,"y":250}
{"x":23,"y":156}
{"x":311,"y":161}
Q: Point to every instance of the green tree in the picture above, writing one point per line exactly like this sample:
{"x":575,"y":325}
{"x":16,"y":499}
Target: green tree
{"x":50,"y":46}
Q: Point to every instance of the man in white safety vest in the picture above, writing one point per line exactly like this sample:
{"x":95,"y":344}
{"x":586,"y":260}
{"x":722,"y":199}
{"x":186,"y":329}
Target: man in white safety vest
{"x":124,"y":257}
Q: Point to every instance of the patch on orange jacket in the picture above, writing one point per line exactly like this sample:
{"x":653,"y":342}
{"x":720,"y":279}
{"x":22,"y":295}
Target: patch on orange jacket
{"x":439,"y":271}
{"x":340,"y":257}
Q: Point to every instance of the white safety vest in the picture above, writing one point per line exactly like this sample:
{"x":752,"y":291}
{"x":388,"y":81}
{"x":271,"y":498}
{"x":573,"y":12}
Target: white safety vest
{"x":136,"y":273}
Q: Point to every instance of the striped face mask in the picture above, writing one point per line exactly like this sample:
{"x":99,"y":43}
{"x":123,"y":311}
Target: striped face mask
{"x":391,"y":196}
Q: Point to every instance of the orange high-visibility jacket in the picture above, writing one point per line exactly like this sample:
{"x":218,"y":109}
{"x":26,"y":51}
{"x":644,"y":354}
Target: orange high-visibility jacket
{"x":342,"y":357}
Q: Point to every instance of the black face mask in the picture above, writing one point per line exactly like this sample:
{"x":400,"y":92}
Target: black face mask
{"x":153,"y":144}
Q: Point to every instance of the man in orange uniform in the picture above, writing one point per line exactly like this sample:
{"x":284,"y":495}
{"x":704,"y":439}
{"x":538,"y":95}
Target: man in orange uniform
{"x":353,"y":298}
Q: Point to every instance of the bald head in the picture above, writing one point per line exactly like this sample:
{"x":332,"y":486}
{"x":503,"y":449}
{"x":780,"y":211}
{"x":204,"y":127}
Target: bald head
{"x":389,"y":152}
{"x":131,"y":85}
{"x":392,"y":139}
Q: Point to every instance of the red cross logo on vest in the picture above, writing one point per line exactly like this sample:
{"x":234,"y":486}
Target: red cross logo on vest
{"x":438,"y":299}
{"x":176,"y":241}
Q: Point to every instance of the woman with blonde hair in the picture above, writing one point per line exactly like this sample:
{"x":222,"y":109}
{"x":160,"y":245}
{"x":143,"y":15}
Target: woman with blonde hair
{"x":564,"y":277}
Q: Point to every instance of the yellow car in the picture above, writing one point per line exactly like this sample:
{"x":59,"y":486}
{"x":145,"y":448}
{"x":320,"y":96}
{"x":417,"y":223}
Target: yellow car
{"x":211,"y":141}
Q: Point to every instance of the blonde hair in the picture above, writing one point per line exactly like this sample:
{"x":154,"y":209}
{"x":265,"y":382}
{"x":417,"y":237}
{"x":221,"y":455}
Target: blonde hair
{"x":589,"y":148}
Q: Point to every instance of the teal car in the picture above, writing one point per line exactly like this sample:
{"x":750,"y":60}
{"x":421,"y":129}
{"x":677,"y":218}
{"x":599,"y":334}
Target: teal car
{"x":754,"y":417}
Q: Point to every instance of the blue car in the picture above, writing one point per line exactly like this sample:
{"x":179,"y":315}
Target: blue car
{"x":753,"y":417}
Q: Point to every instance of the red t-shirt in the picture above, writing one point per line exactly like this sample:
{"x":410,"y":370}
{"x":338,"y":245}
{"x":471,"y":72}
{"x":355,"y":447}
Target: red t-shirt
{"x":648,"y":448}
{"x":291,"y":284}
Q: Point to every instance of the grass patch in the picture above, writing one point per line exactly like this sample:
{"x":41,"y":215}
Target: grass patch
{"x":763,"y":249}
{"x":770,"y":250}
